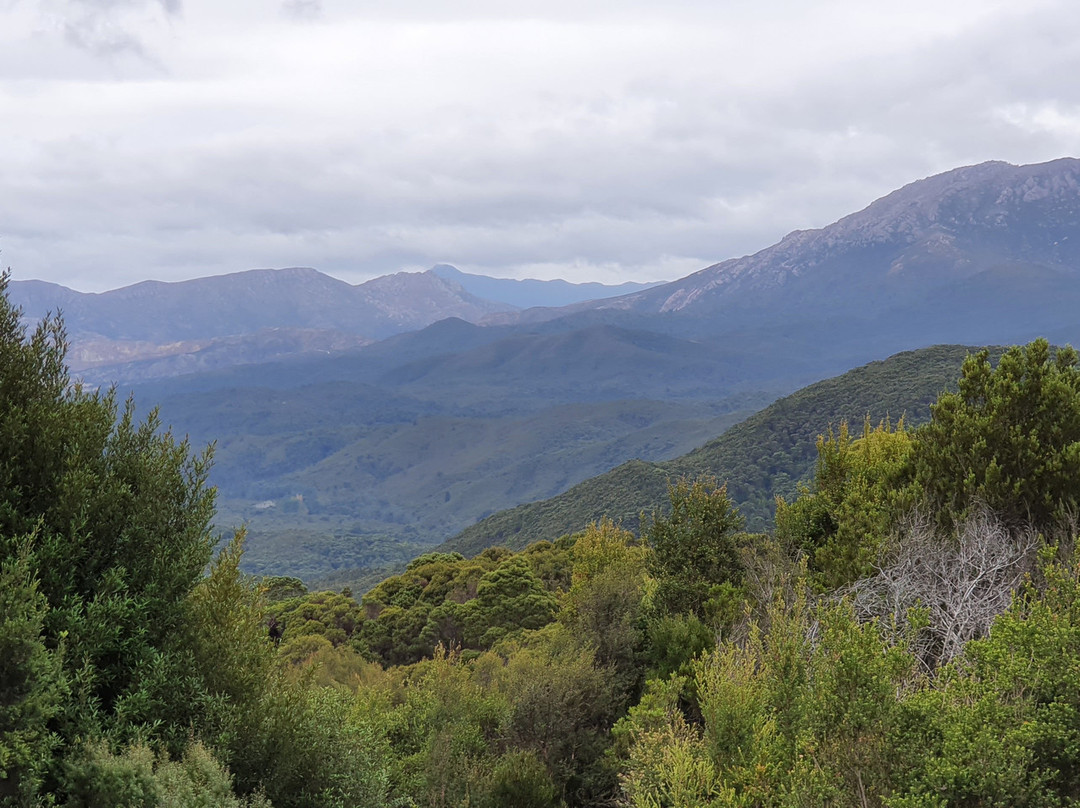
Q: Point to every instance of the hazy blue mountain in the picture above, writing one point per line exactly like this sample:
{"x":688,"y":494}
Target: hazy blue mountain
{"x":530,"y":292}
{"x":194,"y":325}
{"x":246,"y":302}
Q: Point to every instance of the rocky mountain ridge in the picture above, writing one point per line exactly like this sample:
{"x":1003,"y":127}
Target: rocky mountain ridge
{"x":934,"y":232}
{"x":529,"y":292}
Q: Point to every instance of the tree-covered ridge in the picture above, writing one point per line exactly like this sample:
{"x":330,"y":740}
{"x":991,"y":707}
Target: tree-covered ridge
{"x":763,"y":457}
{"x":891,"y":642}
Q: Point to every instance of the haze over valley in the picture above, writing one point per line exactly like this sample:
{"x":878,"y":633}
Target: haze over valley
{"x":356,"y":426}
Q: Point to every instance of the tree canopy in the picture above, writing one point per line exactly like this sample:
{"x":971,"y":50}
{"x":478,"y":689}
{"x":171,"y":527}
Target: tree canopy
{"x":1008,"y":438}
{"x":907,"y":635}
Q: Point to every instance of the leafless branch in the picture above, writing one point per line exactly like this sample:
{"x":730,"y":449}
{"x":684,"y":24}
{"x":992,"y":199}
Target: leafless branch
{"x":963,"y":581}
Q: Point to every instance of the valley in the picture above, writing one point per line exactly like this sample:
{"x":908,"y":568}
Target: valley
{"x":356,"y":426}
{"x":558,"y":547}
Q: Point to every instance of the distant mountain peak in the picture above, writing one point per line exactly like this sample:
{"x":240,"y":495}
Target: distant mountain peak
{"x":941,"y":228}
{"x":531,"y":292}
{"x":147,"y":320}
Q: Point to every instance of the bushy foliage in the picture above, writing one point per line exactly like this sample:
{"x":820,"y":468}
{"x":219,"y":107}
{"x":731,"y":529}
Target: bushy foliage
{"x":445,"y":599}
{"x":331,"y":615}
{"x":1009,"y":439}
{"x":119,"y":514}
{"x":603,"y":606}
{"x":31,"y":683}
{"x":695,"y":547}
{"x":137,"y":777}
{"x":842,"y":519}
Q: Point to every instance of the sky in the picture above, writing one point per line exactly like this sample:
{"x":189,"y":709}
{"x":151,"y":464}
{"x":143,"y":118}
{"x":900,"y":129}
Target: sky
{"x":606,"y":140}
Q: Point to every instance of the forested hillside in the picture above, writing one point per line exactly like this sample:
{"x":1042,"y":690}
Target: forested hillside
{"x":367,"y":459}
{"x":761,"y":458}
{"x":907,"y":633}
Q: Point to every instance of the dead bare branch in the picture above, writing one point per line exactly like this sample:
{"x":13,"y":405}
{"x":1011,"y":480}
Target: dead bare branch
{"x":962,"y":581}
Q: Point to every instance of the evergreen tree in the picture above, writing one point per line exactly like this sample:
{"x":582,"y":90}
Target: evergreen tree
{"x":30,"y":681}
{"x":695,"y":548}
{"x":120,"y":513}
{"x":1009,"y":438}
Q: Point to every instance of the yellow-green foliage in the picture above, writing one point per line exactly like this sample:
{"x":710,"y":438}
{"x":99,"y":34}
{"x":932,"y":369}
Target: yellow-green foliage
{"x":137,"y":777}
{"x":603,"y":607}
{"x":444,"y":728}
{"x":605,"y":547}
{"x":842,"y":519}
{"x":667,"y":762}
{"x":802,"y":713}
{"x":445,"y":599}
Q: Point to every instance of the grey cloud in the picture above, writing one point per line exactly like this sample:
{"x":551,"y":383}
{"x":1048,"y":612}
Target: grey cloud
{"x":102,"y":39}
{"x":100,"y":27}
{"x":303,"y":10}
{"x":112,"y":6}
{"x":664,"y":170}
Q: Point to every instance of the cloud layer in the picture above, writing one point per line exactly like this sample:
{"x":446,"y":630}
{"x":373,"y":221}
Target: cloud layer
{"x":154,"y":138}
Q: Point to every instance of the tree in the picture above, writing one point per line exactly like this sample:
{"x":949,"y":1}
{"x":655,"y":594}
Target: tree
{"x":843,"y":519}
{"x":30,"y":680}
{"x":120,"y":513}
{"x":1008,"y":438}
{"x":602,"y":609}
{"x":694,"y":548}
{"x":508,"y":598}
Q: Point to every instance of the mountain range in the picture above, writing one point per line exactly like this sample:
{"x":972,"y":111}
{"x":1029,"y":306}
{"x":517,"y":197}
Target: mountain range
{"x":347,"y":454}
{"x":155,"y":329}
{"x":530,"y":293}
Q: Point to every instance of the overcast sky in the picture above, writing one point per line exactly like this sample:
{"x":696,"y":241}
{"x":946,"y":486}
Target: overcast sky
{"x":610,"y":140}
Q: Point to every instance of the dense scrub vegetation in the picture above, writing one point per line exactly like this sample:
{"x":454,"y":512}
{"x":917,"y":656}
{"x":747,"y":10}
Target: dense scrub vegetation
{"x":907,"y":634}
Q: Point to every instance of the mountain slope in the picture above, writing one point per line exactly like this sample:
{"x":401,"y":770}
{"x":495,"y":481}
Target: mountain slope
{"x":530,"y":292}
{"x":760,"y":458}
{"x":930,"y":233}
{"x":246,"y":302}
